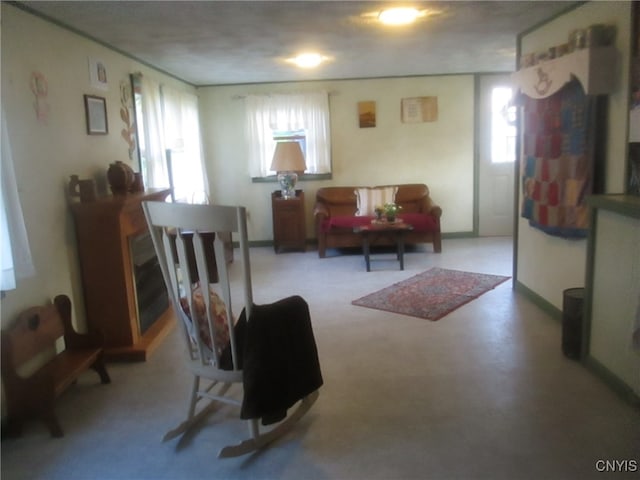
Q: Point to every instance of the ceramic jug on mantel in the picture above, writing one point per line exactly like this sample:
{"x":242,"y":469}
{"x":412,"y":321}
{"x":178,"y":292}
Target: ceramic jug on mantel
{"x":120,"y":177}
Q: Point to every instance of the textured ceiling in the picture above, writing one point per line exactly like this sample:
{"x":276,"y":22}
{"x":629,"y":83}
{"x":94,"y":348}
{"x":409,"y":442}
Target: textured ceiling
{"x":216,"y":42}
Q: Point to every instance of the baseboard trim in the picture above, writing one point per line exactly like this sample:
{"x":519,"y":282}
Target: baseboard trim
{"x":594,"y":366}
{"x":540,"y":302}
{"x":612,"y":380}
{"x":257,"y":243}
{"x":314,"y":241}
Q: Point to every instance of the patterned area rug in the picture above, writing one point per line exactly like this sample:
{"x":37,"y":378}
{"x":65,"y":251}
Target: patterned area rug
{"x":432,"y":294}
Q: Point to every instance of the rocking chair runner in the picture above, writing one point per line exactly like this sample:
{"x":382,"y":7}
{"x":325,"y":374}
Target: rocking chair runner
{"x":266,"y":339}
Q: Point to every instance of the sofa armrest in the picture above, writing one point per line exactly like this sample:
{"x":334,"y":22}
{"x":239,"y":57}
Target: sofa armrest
{"x":430,"y":208}
{"x":320,"y":214}
{"x":435,"y":210}
{"x":320,"y":211}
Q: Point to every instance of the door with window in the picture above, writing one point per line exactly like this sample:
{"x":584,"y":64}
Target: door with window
{"x":497,"y":154}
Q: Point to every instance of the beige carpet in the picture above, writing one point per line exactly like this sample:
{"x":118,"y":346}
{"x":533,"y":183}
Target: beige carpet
{"x":485,"y":394}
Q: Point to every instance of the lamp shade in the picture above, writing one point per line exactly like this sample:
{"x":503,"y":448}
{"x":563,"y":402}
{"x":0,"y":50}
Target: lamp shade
{"x":288,"y":157}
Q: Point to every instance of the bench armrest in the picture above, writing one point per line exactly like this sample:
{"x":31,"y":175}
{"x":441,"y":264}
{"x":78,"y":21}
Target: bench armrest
{"x":72,"y":339}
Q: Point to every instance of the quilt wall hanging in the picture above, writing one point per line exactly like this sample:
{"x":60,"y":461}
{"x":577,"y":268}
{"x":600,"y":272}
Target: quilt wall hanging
{"x":560,"y":148}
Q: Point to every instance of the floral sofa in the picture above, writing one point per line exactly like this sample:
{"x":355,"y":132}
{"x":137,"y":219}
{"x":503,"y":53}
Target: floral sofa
{"x":338,"y":210}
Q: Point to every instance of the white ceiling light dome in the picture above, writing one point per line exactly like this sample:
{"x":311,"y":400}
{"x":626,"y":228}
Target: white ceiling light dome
{"x":399,"y":15}
{"x":308,"y":60}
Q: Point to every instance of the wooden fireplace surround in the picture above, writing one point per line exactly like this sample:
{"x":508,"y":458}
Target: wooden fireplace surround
{"x":104,"y":228}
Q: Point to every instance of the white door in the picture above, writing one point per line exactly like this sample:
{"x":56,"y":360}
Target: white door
{"x":496,"y":137}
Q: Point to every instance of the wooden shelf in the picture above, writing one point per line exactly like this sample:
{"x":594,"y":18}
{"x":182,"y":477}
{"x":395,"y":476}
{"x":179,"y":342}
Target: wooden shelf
{"x":627,"y":205}
{"x":593,"y":67}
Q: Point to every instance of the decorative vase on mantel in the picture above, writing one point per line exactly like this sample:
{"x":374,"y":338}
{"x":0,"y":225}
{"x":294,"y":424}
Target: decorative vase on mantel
{"x":120,"y":177}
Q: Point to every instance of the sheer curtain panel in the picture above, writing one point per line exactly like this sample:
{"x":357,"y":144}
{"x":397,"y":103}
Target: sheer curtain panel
{"x":152,"y":147}
{"x":182,"y":137}
{"x":15,"y":254}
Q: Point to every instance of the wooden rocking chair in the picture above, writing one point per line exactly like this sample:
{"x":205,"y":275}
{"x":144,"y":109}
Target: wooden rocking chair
{"x":183,"y":235}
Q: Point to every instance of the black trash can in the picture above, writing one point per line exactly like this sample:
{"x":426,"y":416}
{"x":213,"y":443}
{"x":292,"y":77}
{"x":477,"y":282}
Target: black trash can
{"x":572,"y":317}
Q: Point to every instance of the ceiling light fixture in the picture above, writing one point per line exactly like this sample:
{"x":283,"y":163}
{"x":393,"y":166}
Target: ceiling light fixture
{"x":400,"y":16}
{"x":308,"y":60}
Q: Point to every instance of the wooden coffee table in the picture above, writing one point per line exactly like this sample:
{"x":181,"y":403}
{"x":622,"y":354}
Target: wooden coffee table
{"x":396,"y":231}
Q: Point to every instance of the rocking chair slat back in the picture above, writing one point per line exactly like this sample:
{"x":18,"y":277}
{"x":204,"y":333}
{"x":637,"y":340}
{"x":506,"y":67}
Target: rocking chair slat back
{"x":198,"y":309}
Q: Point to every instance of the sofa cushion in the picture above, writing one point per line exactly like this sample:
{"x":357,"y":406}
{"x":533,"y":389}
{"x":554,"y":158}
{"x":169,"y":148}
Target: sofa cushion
{"x":421,"y":222}
{"x":368,"y":198}
{"x":347,"y":222}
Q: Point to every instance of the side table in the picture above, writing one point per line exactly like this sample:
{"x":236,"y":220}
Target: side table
{"x":289,"y":230}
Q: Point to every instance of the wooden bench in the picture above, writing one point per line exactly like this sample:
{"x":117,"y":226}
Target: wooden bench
{"x":31,"y":395}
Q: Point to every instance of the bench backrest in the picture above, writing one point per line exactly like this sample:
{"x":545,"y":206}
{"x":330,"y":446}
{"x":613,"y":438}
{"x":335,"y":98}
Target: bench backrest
{"x":36,"y":331}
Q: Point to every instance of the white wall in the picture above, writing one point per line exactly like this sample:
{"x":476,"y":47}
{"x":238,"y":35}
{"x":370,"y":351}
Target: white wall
{"x":548,"y":265}
{"x":46,"y":153}
{"x":616,"y":288}
{"x":439,"y":153}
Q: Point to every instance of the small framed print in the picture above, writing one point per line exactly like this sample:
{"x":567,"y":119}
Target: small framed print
{"x":96,"y":114}
{"x":98,"y":74}
{"x":419,"y":109}
{"x":367,"y":114}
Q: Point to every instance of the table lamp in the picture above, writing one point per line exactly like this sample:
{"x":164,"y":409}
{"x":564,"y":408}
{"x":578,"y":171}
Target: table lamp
{"x":288,"y":160}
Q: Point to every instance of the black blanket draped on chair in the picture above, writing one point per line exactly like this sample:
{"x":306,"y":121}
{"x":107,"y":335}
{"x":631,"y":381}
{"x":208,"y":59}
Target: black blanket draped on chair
{"x":279,"y":358}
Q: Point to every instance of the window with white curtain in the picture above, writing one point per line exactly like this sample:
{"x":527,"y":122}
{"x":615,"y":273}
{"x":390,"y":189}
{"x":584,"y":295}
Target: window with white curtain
{"x":169,"y":140}
{"x":15,"y":254}
{"x":273,"y":117}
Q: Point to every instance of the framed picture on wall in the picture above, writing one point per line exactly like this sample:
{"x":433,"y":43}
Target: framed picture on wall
{"x":96,"y":115}
{"x":419,"y":109}
{"x":98,"y":74}
{"x":367,"y":114}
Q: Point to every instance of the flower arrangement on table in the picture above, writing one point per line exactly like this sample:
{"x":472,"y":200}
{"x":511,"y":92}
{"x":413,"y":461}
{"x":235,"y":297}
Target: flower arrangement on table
{"x":388,"y":211}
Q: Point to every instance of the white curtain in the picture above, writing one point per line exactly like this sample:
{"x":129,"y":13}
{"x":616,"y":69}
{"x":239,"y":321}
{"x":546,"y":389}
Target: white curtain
{"x":182,"y":138}
{"x":15,"y":254}
{"x":154,"y":163}
{"x":267,"y":114}
{"x":259,"y":135}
